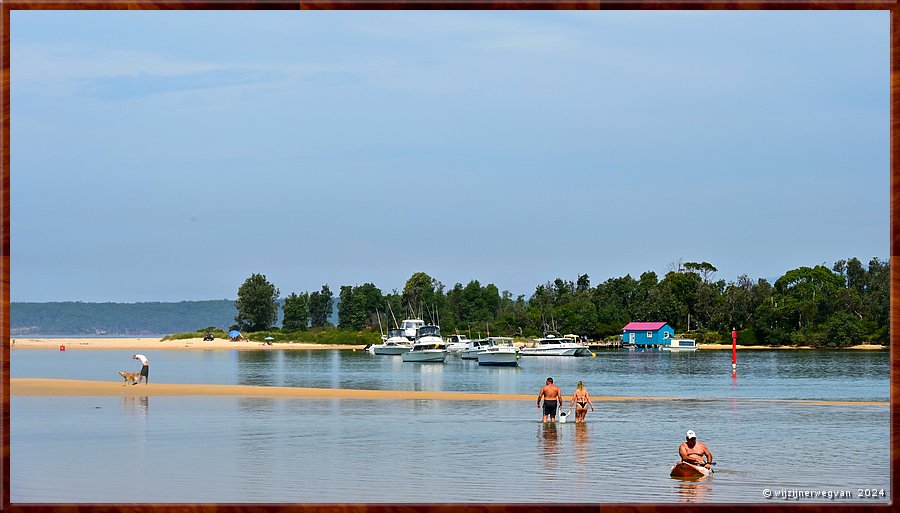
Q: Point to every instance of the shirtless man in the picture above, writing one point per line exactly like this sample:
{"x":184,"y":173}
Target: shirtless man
{"x":693,"y":451}
{"x":552,"y":400}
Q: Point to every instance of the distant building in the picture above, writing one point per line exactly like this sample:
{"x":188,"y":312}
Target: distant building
{"x":647,"y":334}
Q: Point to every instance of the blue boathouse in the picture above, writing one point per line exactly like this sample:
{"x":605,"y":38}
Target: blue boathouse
{"x":647,"y":334}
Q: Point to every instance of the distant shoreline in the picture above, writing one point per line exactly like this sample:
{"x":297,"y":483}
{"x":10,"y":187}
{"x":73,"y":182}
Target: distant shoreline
{"x":198,"y":344}
{"x":865,"y":347}
{"x":147,"y":344}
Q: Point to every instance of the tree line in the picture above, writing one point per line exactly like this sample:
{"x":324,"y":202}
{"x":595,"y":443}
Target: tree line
{"x":844,"y":305}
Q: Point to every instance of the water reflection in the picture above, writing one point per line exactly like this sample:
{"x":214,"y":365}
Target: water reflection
{"x":258,"y":368}
{"x":693,"y":490}
{"x":548,"y":442}
{"x":582,"y":446}
{"x":137,"y":405}
{"x":430,"y":377}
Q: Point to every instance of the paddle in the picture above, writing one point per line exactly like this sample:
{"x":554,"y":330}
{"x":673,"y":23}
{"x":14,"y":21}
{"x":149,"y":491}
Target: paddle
{"x":711,"y":465}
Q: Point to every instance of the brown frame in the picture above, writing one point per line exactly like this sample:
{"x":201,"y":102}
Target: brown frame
{"x":7,"y":5}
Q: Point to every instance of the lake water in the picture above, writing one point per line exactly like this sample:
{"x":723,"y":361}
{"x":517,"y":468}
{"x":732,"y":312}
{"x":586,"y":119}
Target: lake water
{"x":230,"y":449}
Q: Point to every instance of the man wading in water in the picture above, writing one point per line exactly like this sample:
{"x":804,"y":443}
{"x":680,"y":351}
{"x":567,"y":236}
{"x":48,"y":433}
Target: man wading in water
{"x":552,"y":400}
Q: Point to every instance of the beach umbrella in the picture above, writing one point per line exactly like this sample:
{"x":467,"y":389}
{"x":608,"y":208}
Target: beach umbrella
{"x":268,"y":338}
{"x":234,"y":334}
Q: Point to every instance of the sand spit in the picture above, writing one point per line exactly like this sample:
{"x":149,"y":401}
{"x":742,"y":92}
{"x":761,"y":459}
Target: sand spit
{"x":67,"y":387}
{"x":148,"y":344}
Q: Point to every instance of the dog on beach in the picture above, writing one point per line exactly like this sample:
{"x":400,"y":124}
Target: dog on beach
{"x":133,"y":376}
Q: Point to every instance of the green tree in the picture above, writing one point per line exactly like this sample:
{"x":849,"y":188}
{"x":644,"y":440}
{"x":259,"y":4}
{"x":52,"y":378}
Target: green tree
{"x":357,"y":306}
{"x":320,"y":307}
{"x":422,"y":294}
{"x":257,"y":304}
{"x":295,"y":312}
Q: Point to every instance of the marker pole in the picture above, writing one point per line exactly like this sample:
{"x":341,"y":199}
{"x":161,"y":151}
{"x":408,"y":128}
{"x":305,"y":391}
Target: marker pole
{"x":733,"y":350}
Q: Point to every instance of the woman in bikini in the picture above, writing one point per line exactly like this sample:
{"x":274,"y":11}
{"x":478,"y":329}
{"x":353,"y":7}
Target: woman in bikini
{"x":580,"y":401}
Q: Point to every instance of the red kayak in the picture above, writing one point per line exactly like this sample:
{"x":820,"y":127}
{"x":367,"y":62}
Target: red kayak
{"x":685,"y":469}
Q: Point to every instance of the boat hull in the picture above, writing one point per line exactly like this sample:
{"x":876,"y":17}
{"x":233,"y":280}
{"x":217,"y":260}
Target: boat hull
{"x":498,"y":360}
{"x":683,"y":469}
{"x":425,"y":356}
{"x":391,"y":351}
{"x":470,"y":355}
{"x":556,"y":351}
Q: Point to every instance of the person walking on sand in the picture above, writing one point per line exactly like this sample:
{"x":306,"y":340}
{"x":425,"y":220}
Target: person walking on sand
{"x":692,"y":451}
{"x":552,"y":398}
{"x":581,"y":400}
{"x":145,"y":368}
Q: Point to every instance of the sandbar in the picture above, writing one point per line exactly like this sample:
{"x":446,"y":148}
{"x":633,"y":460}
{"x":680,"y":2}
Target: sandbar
{"x":70,"y":387}
{"x":151,"y":343}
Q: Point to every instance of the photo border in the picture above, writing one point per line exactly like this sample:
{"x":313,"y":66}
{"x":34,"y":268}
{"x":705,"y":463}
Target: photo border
{"x":613,"y":507}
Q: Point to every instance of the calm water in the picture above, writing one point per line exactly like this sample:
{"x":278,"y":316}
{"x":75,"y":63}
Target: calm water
{"x":223,"y":449}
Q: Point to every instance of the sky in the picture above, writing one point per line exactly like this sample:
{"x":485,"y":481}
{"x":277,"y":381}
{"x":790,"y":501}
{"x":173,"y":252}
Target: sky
{"x":169,"y":155}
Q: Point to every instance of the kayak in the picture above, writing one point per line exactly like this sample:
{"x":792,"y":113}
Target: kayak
{"x":684,"y":469}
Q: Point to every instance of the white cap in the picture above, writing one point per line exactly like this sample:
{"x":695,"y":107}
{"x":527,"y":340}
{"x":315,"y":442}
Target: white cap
{"x":691,"y":434}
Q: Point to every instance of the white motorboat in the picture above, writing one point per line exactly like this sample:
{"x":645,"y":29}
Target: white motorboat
{"x":428,"y":347}
{"x":411,"y":327}
{"x":396,"y":343}
{"x":502,"y":352}
{"x":456,"y":342}
{"x":474,"y":347}
{"x":555,"y":346}
{"x":681,"y":344}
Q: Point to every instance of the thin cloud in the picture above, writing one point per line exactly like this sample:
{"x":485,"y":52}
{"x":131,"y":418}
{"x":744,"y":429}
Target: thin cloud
{"x":123,"y":87}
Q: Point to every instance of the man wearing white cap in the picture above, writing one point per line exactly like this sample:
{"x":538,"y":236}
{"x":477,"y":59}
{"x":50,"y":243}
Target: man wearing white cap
{"x":693,"y":451}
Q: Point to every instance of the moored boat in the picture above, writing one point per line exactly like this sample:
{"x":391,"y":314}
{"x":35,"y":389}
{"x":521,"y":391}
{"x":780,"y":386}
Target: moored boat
{"x":681,"y":344}
{"x":429,"y":346}
{"x":396,"y":343}
{"x":501,"y":353}
{"x":457,"y":343}
{"x":473,"y":347}
{"x":685,"y":469}
{"x":555,"y":346}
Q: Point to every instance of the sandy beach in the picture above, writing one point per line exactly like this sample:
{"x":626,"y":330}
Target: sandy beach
{"x":728,"y":346}
{"x":157,"y":344}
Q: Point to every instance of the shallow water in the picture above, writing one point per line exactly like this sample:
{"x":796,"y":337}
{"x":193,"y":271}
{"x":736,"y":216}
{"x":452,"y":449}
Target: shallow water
{"x":227,"y":449}
{"x":775,"y":374}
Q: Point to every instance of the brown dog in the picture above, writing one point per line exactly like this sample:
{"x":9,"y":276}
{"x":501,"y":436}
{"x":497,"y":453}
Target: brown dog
{"x":133,"y":376}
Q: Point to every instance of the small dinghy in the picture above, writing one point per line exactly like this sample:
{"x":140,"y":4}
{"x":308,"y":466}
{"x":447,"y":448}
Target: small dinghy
{"x":685,"y":469}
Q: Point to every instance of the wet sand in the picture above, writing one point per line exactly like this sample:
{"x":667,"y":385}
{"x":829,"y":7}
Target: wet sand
{"x":68,"y":387}
{"x":147,"y":344}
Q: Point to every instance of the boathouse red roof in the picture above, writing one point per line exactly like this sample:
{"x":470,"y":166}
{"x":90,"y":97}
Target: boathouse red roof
{"x":643,"y":326}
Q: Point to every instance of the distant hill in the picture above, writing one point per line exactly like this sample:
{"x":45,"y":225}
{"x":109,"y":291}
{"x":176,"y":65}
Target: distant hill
{"x":109,"y":319}
{"x":121,"y":319}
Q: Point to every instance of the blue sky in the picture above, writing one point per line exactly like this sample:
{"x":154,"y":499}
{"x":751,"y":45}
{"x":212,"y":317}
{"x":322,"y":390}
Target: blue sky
{"x":166,"y":156}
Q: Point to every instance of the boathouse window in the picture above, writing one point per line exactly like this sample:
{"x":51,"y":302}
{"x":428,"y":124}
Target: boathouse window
{"x":649,"y":334}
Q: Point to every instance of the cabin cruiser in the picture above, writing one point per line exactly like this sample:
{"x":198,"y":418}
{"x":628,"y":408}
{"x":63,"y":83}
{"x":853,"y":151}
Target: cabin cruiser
{"x":474,"y":347}
{"x":410,"y":327}
{"x":456,"y":342}
{"x":428,"y":347}
{"x":552,"y":345}
{"x":502,"y":352}
{"x":396,"y":343}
